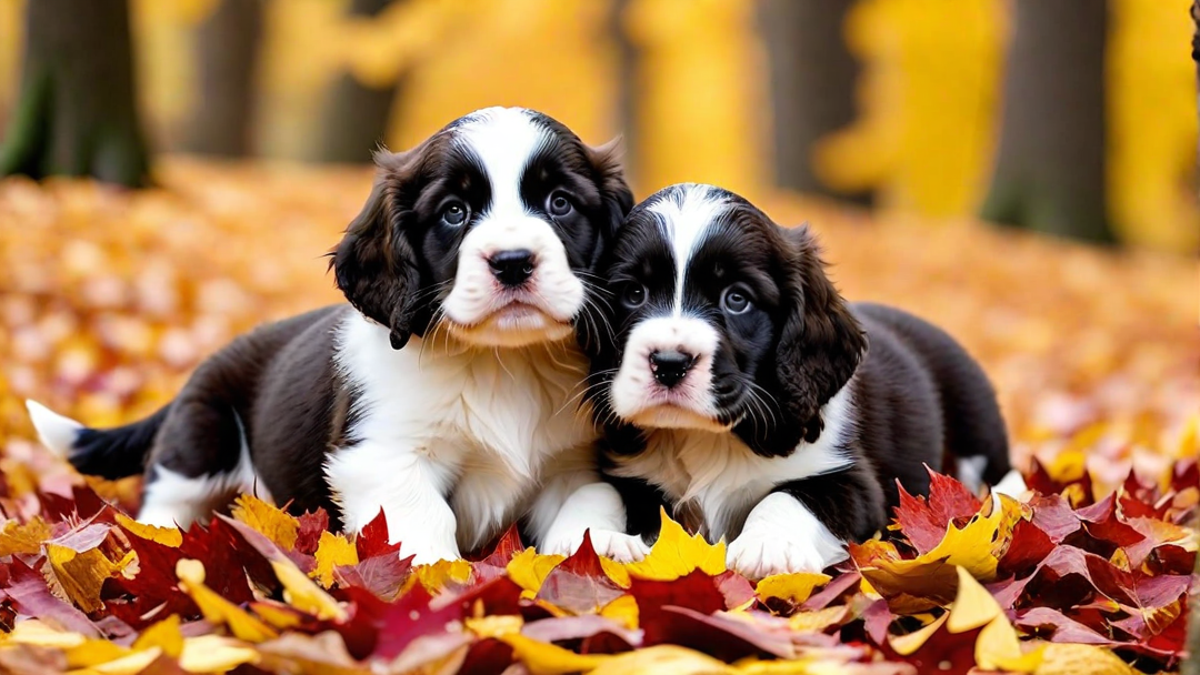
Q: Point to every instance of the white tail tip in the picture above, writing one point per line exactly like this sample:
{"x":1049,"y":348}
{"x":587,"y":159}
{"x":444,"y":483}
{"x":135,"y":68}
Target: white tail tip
{"x":55,"y":431}
{"x":1012,"y":485}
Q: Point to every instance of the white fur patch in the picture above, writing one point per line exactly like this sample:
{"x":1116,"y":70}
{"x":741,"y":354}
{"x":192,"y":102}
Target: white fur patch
{"x":175,"y":499}
{"x":970,"y":472}
{"x":480,"y":309}
{"x":637,"y":397}
{"x":685,"y":219}
{"x":1012,"y":485}
{"x":56,"y":432}
{"x":454,"y":441}
{"x":724,"y":477}
{"x":782,"y":536}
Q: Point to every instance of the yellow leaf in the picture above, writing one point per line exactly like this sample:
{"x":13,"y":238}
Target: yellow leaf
{"x":675,"y":554}
{"x":301,"y":593}
{"x":277,"y":614}
{"x":623,"y":610}
{"x":268,"y":519}
{"x":217,"y":609}
{"x":215,"y":654}
{"x":34,"y":632}
{"x":494,"y":626}
{"x":165,"y":635}
{"x":972,"y":546}
{"x":998,"y":648}
{"x":81,"y":574}
{"x":1076,"y":659}
{"x":663,"y":659}
{"x":548,"y":659}
{"x":905,"y":645}
{"x":130,"y":664}
{"x":93,"y":653}
{"x":437,"y":576}
{"x":615,"y":571}
{"x":529,"y":569}
{"x":332,"y":550}
{"x":23,"y":537}
{"x":167,"y":536}
{"x":794,"y":588}
{"x":973,"y":606}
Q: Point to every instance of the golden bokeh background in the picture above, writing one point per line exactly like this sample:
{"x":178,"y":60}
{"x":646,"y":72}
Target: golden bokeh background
{"x":929,"y":95}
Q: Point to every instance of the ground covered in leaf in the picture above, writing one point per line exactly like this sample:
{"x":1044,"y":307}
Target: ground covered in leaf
{"x":110,"y":298}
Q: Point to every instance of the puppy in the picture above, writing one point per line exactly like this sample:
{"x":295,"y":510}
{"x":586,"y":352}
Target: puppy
{"x":438,"y":393}
{"x":740,"y":392}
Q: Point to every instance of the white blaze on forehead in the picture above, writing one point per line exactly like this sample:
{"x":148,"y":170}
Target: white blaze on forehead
{"x":685,"y":216}
{"x":504,"y":140}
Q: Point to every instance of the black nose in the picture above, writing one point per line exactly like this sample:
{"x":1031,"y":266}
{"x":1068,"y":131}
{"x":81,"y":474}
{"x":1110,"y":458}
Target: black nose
{"x":512,"y":268}
{"x":670,"y":367}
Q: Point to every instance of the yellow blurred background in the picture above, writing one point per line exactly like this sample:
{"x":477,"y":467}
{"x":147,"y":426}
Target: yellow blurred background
{"x":928,"y":96}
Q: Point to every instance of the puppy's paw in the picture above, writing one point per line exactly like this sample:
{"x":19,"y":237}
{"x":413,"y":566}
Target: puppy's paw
{"x":621,"y":547}
{"x":782,"y":536}
{"x":760,"y":554}
{"x":428,"y":554}
{"x":618,"y":546}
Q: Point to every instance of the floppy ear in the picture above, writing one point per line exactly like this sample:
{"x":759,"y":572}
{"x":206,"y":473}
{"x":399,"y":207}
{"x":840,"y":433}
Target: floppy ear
{"x":374,"y":264}
{"x":618,"y":198}
{"x":821,"y":343}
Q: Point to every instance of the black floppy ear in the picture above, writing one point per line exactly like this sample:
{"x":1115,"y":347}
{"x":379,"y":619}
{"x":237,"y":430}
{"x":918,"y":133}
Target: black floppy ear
{"x":617,"y":197}
{"x":374,"y":265}
{"x":820,"y":344}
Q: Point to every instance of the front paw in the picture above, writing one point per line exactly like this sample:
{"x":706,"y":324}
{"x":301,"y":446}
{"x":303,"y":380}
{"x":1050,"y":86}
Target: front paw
{"x":428,"y":554}
{"x":755,"y":555}
{"x":618,"y":546}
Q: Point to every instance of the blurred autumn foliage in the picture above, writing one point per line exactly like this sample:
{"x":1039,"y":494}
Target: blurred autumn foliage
{"x":691,"y":82}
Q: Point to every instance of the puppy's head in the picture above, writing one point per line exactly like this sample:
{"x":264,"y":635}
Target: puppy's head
{"x":491,"y":229}
{"x":724,"y":321}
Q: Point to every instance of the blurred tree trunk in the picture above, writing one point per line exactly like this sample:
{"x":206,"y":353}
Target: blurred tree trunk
{"x":76,"y":113}
{"x":812,"y":80}
{"x":627,"y":87}
{"x":1050,"y":168}
{"x":357,"y":116}
{"x":227,"y":47}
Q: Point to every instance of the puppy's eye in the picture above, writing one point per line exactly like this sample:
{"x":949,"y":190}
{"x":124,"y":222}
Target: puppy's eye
{"x":454,"y":214}
{"x":734,"y":300}
{"x":634,"y":296}
{"x":559,"y":204}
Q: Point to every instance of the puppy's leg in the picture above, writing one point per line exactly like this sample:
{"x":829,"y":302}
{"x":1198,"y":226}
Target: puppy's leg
{"x":409,"y":485}
{"x":803,"y":526}
{"x":573,"y":500}
{"x":199,"y":460}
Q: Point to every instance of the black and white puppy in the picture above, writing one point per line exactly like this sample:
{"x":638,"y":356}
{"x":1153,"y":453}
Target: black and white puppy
{"x":444,"y":392}
{"x":740,"y":391}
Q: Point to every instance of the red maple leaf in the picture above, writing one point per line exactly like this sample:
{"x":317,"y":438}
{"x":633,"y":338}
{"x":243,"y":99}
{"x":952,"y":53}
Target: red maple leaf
{"x":923,"y":521}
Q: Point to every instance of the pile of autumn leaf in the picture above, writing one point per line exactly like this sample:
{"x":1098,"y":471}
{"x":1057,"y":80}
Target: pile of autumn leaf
{"x":110,"y":298}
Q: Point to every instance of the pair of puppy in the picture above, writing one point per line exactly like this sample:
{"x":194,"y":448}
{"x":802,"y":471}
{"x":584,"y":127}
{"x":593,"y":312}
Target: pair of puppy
{"x":523,"y":344}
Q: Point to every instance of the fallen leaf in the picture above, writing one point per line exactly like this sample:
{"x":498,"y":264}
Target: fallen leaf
{"x":23,"y":538}
{"x":332,"y":551}
{"x":675,"y":554}
{"x":268,"y":520}
{"x":216,"y":609}
{"x":792,"y":588}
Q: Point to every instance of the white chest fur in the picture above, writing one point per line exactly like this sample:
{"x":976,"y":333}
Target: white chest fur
{"x":437,"y":423}
{"x":721,"y":476}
